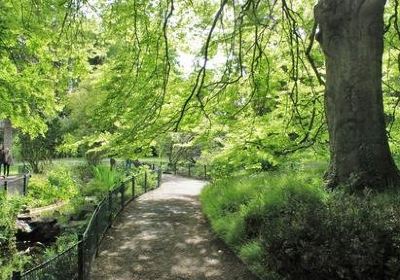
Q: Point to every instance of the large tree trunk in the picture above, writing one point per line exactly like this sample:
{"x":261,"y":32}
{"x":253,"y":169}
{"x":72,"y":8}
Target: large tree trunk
{"x":351,"y":36}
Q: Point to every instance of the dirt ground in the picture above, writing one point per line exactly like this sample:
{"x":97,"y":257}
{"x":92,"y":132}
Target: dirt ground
{"x":164,"y":236}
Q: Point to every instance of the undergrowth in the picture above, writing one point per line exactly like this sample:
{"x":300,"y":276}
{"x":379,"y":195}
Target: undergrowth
{"x":285,"y":225}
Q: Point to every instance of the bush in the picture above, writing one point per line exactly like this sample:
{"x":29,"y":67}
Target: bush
{"x":244,"y":160}
{"x":83,"y":173}
{"x":139,"y":173}
{"x":9,"y":259}
{"x":56,"y":185}
{"x":8,"y":214}
{"x":103,"y":180}
{"x":291,"y":228}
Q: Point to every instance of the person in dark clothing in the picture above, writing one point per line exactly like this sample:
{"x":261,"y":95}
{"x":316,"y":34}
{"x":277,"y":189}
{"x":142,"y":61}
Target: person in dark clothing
{"x":7,"y":161}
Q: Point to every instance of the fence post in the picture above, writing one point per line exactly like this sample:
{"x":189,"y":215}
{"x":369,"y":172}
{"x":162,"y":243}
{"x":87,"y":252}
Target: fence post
{"x":205,"y":171}
{"x":153,"y":167}
{"x":96,"y":232}
{"x":110,"y":216}
{"x":175,"y":168}
{"x":145,"y":181}
{"x":81,"y":258}
{"x":25,"y":185}
{"x":16,"y":275}
{"x":5,"y":186}
{"x":133,"y":186}
{"x":159,"y":177}
{"x":189,"y":171}
{"x":122,"y":195}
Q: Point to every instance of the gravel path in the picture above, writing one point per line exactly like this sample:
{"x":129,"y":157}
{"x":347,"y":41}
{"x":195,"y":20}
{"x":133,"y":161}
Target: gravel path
{"x":164,"y":236}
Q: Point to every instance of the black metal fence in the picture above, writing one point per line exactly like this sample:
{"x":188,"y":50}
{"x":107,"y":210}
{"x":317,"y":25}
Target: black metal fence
{"x":195,"y":170}
{"x":75,"y":262}
{"x":17,"y":185}
{"x":62,"y":266}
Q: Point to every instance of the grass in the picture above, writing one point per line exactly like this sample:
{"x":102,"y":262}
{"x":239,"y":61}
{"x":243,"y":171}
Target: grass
{"x":226,"y":201}
{"x":231,"y":203}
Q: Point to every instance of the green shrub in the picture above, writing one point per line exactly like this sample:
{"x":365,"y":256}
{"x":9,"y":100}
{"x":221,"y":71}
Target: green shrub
{"x":139,"y":173}
{"x":40,"y":193}
{"x":12,"y":263}
{"x":56,"y":185}
{"x":62,"y":243}
{"x":289,"y":227}
{"x":253,"y":254}
{"x":60,"y":178}
{"x":10,"y":207}
{"x":103,"y":180}
{"x":245,"y":160}
{"x":83,"y":173}
{"x":9,"y":259}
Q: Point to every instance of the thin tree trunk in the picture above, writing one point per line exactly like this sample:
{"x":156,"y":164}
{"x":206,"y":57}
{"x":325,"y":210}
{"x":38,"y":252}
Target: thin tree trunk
{"x":351,"y":36}
{"x":7,"y":134}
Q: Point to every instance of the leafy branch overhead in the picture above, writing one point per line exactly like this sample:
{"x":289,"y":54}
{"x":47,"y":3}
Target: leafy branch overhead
{"x":124,"y":75}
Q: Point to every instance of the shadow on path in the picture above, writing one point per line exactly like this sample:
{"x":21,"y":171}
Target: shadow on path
{"x":163,"y":235}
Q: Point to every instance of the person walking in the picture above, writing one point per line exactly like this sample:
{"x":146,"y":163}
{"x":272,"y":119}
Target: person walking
{"x":7,"y":161}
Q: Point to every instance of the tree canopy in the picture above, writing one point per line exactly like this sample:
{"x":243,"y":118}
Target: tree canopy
{"x":242,"y":80}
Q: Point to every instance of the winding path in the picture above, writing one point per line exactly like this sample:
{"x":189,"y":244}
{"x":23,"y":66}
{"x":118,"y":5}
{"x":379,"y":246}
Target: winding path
{"x":164,"y":236}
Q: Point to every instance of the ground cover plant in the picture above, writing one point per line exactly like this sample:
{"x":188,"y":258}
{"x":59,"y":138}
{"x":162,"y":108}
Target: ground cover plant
{"x":286,"y":225}
{"x":9,"y":259}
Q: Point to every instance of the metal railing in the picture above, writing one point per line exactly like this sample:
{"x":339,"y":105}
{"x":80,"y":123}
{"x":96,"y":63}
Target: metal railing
{"x":194,"y":170}
{"x":76,"y":261}
{"x":15,"y":186}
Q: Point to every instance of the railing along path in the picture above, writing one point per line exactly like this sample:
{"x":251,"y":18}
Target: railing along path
{"x":76,"y":261}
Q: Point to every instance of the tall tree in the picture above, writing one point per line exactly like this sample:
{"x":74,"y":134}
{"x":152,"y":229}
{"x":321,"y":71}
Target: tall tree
{"x":39,"y":59}
{"x":351,"y":36}
{"x":263,"y":95}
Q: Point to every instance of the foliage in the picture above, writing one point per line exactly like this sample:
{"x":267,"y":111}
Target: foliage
{"x":38,"y":60}
{"x":180,"y":147}
{"x":133,"y":95}
{"x":9,"y":210}
{"x":83,"y":173}
{"x":291,"y":228}
{"x":60,"y":182}
{"x":9,"y":260}
{"x":43,"y":148}
{"x":246,"y":91}
{"x":249,"y":159}
{"x":104,"y":179}
{"x":143,"y":175}
{"x":62,"y":243}
{"x":54,"y":186}
{"x":236,"y":84}
{"x":10,"y":264}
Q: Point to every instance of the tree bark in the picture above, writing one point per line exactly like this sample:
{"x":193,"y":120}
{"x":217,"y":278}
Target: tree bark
{"x":351,"y":36}
{"x":7,"y":134}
